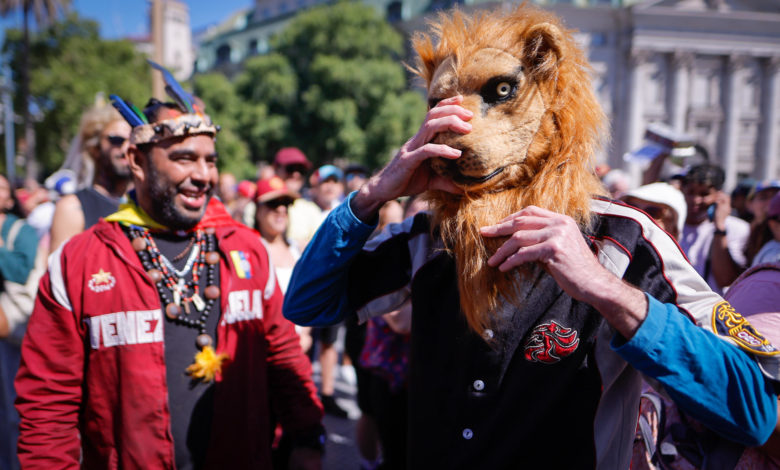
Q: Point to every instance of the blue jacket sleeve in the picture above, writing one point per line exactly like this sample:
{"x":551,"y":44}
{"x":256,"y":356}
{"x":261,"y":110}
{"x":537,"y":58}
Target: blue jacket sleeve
{"x":317,"y":294}
{"x":708,"y":378}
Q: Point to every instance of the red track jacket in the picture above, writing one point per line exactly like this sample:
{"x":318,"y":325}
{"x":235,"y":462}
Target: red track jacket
{"x":92,"y":387}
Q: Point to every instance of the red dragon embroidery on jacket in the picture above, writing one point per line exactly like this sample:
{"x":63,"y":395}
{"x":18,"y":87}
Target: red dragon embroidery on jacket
{"x":550,"y":342}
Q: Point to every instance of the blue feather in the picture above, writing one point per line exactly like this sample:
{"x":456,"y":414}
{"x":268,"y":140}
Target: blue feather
{"x":173,"y":89}
{"x":138,"y":112}
{"x":125,"y":111}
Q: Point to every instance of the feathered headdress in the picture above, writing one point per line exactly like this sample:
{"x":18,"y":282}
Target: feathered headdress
{"x":192,"y":119}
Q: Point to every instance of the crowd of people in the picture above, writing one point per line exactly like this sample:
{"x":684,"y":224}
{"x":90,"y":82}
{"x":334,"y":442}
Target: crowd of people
{"x":147,"y":269}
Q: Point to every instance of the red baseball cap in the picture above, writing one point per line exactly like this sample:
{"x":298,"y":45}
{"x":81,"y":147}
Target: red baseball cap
{"x":246,"y":188}
{"x":291,"y":156}
{"x":273,"y":188}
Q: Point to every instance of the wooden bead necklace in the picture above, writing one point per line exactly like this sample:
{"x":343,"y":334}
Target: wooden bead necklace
{"x":173,"y":290}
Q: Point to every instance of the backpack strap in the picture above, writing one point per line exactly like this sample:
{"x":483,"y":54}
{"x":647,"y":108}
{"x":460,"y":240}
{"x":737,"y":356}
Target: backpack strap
{"x":12,"y":233}
{"x":658,"y":447}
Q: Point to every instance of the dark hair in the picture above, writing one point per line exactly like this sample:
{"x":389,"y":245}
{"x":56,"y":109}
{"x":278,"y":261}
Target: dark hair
{"x":154,"y":106}
{"x":706,"y":173}
{"x":16,"y":208}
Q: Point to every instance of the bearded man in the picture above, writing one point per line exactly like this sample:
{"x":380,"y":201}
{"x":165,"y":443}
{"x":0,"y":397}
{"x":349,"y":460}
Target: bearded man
{"x":537,"y":309}
{"x":108,"y":377}
{"x":105,"y":137}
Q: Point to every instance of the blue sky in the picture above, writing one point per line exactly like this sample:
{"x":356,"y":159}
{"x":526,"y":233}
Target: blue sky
{"x":120,"y":18}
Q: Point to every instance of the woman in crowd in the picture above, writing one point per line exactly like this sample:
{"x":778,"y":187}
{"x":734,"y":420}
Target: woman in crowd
{"x":18,"y":248}
{"x":769,"y":252}
{"x":271,"y":220}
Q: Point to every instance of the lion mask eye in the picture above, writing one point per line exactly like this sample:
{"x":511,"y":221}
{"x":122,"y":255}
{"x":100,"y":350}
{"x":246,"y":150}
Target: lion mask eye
{"x":498,"y":89}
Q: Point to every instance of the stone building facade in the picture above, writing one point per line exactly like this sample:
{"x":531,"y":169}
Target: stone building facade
{"x":710,"y":68}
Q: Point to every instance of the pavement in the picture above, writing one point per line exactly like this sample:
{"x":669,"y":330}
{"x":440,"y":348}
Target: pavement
{"x":340,"y":449}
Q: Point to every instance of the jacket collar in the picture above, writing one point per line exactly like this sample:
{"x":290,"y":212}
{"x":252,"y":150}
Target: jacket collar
{"x":109,"y":231}
{"x":131,"y":213}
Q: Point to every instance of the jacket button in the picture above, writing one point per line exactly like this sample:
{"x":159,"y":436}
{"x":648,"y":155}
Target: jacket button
{"x":487,"y":334}
{"x":478,"y":385}
{"x":468,"y":434}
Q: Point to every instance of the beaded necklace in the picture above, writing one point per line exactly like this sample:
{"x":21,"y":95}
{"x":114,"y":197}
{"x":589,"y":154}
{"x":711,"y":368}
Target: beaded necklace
{"x":177,"y":295}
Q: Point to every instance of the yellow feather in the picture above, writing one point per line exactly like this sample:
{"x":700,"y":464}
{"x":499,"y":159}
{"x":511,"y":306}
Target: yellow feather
{"x":207,"y":364}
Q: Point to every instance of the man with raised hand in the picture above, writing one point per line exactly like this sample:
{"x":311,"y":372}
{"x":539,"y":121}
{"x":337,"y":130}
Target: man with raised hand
{"x":563,"y":370}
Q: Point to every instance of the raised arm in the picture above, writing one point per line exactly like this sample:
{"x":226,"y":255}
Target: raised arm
{"x":317,"y":294}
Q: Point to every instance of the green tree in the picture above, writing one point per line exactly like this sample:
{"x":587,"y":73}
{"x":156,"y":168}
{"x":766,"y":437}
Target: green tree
{"x":269,"y":87}
{"x":224,"y":107}
{"x":334,"y":87}
{"x":69,"y":65}
{"x":44,"y":12}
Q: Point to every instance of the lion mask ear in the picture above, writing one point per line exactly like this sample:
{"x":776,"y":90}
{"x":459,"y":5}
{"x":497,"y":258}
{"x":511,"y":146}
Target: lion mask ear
{"x":543,"y":49}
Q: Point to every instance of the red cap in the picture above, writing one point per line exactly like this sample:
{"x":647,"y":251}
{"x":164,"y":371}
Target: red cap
{"x":246,"y":188}
{"x":273,"y":188}
{"x":291,"y":156}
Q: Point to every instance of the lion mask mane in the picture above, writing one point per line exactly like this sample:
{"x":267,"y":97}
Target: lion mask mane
{"x":536,"y":126}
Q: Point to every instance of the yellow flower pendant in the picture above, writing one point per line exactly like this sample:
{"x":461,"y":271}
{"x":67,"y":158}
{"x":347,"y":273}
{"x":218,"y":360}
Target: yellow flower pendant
{"x":207,"y":364}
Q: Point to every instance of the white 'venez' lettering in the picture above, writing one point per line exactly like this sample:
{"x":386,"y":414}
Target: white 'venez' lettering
{"x":125,"y":328}
{"x":110,"y":329}
{"x":125,"y":323}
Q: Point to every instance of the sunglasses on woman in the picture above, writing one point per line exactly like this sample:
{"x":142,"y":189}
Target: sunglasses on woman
{"x":274,"y":204}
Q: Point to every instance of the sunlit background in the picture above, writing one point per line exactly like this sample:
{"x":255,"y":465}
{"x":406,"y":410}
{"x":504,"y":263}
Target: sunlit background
{"x":327,"y":77}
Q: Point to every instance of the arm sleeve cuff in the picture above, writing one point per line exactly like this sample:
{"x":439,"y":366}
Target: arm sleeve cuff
{"x":707,"y":377}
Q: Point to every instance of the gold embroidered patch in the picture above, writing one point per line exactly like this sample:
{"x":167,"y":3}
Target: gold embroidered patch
{"x":728,"y":322}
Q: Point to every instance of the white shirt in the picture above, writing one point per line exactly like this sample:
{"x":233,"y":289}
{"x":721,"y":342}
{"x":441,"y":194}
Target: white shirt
{"x":696,"y":241}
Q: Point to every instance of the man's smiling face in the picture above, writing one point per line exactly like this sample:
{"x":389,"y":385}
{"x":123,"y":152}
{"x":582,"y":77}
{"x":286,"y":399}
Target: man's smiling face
{"x":176,"y":178}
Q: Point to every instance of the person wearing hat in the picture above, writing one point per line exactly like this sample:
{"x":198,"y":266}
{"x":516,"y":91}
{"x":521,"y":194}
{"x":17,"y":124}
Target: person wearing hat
{"x":663,"y":203}
{"x":292,"y":166}
{"x":157,"y":339}
{"x":770,"y":251}
{"x":327,"y":189}
{"x":273,"y":200}
{"x":354,"y":177}
{"x":759,"y":197}
{"x":758,"y":203}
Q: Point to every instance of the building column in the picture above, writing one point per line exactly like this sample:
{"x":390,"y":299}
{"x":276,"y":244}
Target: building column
{"x":767,"y":162}
{"x":728,"y":157}
{"x":634,"y":130}
{"x":679,"y":87}
{"x":635,"y":125}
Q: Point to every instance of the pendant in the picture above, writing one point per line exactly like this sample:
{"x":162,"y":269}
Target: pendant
{"x":211,"y":292}
{"x":203,"y":340}
{"x":198,"y":302}
{"x":155,"y":275}
{"x":172,"y":311}
{"x":139,"y":244}
{"x":178,"y":289}
{"x":187,"y":307}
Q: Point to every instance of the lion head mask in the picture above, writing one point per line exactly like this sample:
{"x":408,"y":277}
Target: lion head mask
{"x":536,"y":127}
